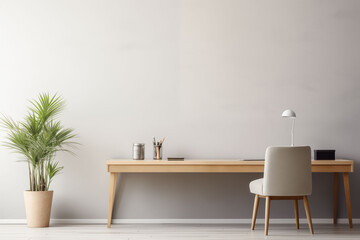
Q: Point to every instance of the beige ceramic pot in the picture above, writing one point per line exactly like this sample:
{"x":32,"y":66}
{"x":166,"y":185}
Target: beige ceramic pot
{"x":38,"y":208}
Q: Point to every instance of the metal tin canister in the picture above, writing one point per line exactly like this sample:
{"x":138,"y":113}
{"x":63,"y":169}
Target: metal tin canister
{"x":139,"y":151}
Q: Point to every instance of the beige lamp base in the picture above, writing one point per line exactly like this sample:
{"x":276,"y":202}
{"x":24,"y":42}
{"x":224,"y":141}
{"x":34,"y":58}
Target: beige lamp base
{"x":38,"y":208}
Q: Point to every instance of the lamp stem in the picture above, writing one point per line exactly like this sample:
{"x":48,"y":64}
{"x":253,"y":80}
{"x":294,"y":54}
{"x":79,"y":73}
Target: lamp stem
{"x":292,"y":132}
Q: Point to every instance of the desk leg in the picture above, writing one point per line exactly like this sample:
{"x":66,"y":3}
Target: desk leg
{"x":113,"y":179}
{"x":347,"y":196}
{"x":336,"y":176}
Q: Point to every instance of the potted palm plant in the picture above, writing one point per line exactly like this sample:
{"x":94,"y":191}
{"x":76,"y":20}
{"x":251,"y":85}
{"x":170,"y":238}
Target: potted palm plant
{"x":38,"y":138}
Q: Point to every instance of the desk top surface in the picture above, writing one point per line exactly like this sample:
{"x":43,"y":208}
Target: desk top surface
{"x":215,"y":162}
{"x":215,"y":165}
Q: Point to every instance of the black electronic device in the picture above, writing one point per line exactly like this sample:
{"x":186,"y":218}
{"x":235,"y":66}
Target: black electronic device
{"x":324,"y":154}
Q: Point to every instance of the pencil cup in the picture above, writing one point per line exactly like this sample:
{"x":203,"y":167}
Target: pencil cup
{"x":157,"y":152}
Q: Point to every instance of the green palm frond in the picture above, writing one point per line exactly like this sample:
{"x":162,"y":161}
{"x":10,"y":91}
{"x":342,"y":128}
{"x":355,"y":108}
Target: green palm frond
{"x":46,"y":107}
{"x":52,"y":169}
{"x":8,"y":123}
{"x":31,"y":124}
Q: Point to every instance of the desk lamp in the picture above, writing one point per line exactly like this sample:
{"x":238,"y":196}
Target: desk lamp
{"x":290,"y":114}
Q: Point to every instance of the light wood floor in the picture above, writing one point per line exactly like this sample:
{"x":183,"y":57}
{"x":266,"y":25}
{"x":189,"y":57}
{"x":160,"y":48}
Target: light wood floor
{"x":176,"y":231}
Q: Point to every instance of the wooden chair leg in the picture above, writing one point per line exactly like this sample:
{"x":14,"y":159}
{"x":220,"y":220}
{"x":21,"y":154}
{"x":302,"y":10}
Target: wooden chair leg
{"x":296,"y":213}
{"x":256,"y":205}
{"x":267,"y":213}
{"x":307,"y":210}
{"x":336,"y":176}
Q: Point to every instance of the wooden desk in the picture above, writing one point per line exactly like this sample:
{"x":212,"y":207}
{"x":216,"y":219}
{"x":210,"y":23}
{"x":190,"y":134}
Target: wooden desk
{"x":222,"y":166}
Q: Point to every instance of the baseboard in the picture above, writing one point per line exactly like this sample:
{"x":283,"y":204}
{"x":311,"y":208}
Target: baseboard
{"x":183,"y":221}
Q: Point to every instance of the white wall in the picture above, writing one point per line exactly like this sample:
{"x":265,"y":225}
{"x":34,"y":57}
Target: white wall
{"x":211,"y":76}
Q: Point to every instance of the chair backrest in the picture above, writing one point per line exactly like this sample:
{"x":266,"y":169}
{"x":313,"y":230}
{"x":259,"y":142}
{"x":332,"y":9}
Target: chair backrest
{"x":287,"y":171}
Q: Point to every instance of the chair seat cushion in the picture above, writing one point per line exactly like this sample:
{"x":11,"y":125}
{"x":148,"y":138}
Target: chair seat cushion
{"x":256,"y":186}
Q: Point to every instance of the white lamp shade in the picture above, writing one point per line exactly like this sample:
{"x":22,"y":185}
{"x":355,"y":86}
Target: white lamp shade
{"x":288,"y":113}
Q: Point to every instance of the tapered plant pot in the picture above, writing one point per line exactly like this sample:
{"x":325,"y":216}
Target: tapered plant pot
{"x":38,"y":208}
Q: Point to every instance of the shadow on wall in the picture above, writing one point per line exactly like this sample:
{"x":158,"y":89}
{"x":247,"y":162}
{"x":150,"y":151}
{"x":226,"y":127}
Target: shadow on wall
{"x":214,"y":196}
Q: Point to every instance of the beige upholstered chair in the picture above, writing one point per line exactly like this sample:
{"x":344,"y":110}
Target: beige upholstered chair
{"x":287,"y":176}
